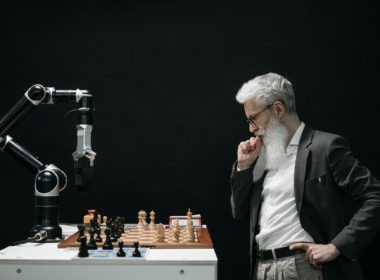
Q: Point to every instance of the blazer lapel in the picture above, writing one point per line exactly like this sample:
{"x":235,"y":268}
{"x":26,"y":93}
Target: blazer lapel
{"x":300,"y":166}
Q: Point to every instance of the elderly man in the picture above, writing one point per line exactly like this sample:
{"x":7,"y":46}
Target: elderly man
{"x":292,"y":183}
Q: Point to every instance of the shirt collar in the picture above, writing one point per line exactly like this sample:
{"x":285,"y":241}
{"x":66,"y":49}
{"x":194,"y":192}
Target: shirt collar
{"x":297,"y":135}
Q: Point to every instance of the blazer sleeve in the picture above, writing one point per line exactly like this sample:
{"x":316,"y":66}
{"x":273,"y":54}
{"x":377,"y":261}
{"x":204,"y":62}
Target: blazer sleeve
{"x":358,"y":183}
{"x":241,"y":186}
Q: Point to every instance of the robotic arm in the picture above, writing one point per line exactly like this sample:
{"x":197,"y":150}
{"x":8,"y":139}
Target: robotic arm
{"x":50,"y":180}
{"x":84,"y":156}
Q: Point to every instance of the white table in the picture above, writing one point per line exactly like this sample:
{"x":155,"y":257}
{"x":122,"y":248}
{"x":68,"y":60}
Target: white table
{"x":46,"y":261}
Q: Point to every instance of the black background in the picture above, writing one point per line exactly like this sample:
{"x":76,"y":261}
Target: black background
{"x":164,"y":75}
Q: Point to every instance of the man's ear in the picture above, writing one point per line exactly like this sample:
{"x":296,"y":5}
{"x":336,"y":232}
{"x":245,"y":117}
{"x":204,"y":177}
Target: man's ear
{"x":279,"y":109}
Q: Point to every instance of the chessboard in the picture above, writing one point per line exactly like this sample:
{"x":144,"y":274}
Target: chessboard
{"x":147,"y":237}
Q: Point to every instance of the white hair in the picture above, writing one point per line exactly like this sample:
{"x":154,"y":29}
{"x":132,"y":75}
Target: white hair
{"x":274,"y":143}
{"x":267,"y":89}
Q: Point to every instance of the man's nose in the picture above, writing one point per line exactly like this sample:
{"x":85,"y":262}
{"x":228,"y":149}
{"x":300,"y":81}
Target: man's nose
{"x":253,"y":128}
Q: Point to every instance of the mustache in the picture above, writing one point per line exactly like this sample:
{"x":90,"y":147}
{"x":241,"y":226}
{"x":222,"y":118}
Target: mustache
{"x":259,"y":133}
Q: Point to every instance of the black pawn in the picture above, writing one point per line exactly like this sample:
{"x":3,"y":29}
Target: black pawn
{"x":83,"y":249}
{"x":91,"y":244}
{"x":108,"y":244}
{"x":136,"y":252}
{"x":81,"y":231}
{"x":96,"y":224}
{"x":121,"y":252}
{"x":98,"y":237}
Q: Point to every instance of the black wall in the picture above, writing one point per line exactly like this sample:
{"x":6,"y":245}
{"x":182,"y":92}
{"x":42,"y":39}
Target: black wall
{"x":164,"y":75}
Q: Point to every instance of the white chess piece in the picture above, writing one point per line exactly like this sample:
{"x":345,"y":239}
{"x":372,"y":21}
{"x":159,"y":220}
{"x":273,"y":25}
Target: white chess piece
{"x":140,"y":224}
{"x":161,"y":233}
{"x":190,"y":232}
{"x":144,"y":218}
{"x":175,"y":231}
{"x":104,"y":220}
{"x":152,"y":217}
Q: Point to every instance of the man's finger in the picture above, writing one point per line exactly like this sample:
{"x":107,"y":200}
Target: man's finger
{"x":254,"y":141}
{"x":311,"y":258}
{"x":303,"y":246}
{"x":244,"y":147}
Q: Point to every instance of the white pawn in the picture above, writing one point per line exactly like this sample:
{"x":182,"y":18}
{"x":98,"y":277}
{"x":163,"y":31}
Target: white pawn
{"x":140,"y":224}
{"x":161,"y":233}
{"x":144,"y":218}
{"x":104,"y":221}
{"x":152,"y":217}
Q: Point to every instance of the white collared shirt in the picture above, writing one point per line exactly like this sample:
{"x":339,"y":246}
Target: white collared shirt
{"x":279,"y":220}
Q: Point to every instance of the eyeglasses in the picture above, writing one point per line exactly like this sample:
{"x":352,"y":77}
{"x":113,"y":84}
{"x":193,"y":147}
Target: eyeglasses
{"x":251,"y":119}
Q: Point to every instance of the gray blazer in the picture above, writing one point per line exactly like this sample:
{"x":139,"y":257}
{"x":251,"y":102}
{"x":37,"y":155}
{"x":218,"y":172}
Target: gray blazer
{"x":327,"y":179}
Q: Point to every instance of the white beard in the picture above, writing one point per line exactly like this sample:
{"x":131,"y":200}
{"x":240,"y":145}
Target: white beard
{"x":274,"y":144}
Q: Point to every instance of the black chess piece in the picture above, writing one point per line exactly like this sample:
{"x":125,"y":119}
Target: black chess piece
{"x":96,"y":213}
{"x":114,"y":233}
{"x":118,"y":230}
{"x":81,"y":229}
{"x":96,"y":224}
{"x":136,"y":252}
{"x":121,"y":252}
{"x":108,"y":244}
{"x":98,"y":237}
{"x":91,"y":244}
{"x":120,"y":222}
{"x":83,"y":249}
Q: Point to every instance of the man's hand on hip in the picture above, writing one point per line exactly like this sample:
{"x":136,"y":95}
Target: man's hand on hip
{"x":317,"y":253}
